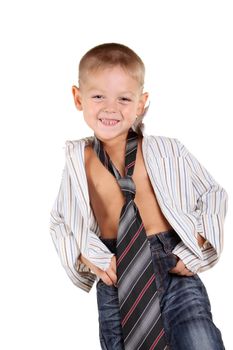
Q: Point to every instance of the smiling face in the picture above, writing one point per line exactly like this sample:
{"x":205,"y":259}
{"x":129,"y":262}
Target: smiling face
{"x":110,"y":99}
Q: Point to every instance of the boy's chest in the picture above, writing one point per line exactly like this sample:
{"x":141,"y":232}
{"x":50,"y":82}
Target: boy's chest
{"x":107,"y":199}
{"x":101,"y":181}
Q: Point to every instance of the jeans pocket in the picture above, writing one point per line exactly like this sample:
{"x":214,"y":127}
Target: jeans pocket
{"x":106,"y":294}
{"x":163,"y":260}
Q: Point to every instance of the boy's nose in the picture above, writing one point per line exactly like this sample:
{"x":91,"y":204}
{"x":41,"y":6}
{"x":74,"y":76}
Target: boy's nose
{"x":110,"y":107}
{"x":109,"y":110}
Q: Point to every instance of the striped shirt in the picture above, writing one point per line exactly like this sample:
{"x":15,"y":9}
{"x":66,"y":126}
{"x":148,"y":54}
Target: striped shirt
{"x":189,"y":197}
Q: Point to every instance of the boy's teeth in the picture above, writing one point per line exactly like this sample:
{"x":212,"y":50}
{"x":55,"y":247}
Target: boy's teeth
{"x":109,"y":121}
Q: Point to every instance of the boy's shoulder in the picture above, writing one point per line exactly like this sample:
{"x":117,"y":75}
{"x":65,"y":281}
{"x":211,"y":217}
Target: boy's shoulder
{"x":165,"y":146}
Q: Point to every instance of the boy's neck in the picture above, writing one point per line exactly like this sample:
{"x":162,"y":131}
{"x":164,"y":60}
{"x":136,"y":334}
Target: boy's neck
{"x":116,"y":147}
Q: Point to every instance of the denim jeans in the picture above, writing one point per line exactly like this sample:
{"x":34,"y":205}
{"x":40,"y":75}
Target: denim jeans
{"x":185,"y":306}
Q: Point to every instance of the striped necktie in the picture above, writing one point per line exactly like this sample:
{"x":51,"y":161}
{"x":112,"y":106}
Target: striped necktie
{"x":138,"y":298}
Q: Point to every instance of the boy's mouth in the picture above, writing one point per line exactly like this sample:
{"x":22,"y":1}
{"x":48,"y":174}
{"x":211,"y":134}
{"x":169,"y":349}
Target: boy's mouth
{"x":109,"y":122}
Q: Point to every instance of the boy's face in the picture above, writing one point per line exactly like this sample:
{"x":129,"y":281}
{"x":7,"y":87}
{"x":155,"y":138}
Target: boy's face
{"x":110,"y":100}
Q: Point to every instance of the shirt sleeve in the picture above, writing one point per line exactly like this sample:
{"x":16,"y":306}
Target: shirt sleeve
{"x":211,"y":209}
{"x":64,"y":240}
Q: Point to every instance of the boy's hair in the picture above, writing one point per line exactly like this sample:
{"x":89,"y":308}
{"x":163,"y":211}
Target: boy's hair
{"x":109,"y":55}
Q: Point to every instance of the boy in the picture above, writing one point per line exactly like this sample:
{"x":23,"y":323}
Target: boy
{"x":138,"y":213}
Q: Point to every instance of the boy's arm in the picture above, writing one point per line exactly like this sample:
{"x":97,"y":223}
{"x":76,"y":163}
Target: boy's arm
{"x":64,"y":240}
{"x":210,"y":213}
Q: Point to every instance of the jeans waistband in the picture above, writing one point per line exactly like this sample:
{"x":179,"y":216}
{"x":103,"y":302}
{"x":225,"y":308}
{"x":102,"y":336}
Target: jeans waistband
{"x":154,"y":238}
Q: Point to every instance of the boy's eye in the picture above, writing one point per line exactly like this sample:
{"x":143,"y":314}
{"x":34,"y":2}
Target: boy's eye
{"x":125,"y":99}
{"x":97,"y":97}
{"x":121,"y":99}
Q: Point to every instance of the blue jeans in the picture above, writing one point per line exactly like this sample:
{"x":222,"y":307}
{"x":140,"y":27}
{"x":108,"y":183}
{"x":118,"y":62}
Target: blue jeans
{"x":185,"y":306}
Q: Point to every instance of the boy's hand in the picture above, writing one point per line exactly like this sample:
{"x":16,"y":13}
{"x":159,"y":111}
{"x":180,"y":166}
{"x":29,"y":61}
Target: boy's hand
{"x":111,"y":272}
{"x":181,"y":269}
{"x":109,"y":276}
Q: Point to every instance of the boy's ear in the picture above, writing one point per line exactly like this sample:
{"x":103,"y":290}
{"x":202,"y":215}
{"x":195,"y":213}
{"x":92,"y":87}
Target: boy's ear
{"x":77,"y":97}
{"x":142,"y":103}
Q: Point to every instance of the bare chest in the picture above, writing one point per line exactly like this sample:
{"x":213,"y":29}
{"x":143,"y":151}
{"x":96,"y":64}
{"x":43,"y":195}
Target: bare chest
{"x":107,"y":199}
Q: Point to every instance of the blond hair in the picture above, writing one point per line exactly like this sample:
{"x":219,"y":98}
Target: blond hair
{"x":109,"y":55}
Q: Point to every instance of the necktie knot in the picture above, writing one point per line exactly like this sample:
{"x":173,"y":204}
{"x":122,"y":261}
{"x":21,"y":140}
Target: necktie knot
{"x":128,"y":187}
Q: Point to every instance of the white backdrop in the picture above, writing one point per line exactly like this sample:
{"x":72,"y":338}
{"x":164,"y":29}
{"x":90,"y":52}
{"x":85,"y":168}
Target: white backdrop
{"x":187,"y":49}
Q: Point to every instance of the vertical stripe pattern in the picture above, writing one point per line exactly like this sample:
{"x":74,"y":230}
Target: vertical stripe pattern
{"x":189,"y":197}
{"x":139,"y":305}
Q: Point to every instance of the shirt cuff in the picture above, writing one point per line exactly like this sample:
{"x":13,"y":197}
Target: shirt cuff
{"x":189,"y":258}
{"x":97,"y":252}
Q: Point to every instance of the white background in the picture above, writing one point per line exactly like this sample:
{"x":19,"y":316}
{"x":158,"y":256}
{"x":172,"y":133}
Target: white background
{"x":188,"y":53}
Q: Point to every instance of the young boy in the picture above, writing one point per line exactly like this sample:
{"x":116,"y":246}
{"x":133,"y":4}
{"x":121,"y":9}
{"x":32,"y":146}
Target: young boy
{"x":138,"y":213}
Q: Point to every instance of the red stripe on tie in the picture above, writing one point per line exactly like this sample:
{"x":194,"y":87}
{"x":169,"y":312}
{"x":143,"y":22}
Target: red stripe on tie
{"x":130,"y":165}
{"x":129,"y":245}
{"x":157,"y":339}
{"x":137,"y":300}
